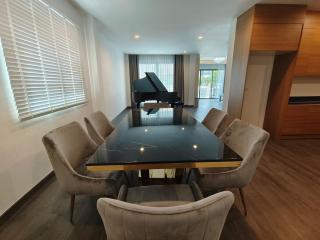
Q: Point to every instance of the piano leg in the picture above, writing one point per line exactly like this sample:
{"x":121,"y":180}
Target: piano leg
{"x":145,"y":177}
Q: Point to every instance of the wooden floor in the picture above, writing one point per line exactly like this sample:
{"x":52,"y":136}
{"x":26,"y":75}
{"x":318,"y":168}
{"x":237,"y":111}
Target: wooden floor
{"x":283,"y":203}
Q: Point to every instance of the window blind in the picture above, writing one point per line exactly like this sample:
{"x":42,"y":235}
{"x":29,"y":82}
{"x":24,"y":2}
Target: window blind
{"x":162,"y":65}
{"x":43,"y":57}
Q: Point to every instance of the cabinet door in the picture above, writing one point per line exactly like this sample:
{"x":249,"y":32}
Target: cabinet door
{"x":275,"y":37}
{"x":302,"y":119}
{"x":308,"y":61}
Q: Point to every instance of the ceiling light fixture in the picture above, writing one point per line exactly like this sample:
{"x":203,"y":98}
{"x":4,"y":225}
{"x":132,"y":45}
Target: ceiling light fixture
{"x":200,"y":37}
{"x":185,"y":51}
{"x":136,"y":36}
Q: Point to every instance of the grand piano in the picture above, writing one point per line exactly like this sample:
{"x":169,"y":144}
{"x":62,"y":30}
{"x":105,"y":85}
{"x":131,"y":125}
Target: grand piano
{"x":151,"y":88}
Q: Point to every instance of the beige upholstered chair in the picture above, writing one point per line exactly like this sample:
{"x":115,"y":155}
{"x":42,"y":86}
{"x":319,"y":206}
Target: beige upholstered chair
{"x":185,"y":220}
{"x":99,"y":127}
{"x":249,"y":142}
{"x":213,"y":119}
{"x":68,"y":148}
{"x":223,"y":125}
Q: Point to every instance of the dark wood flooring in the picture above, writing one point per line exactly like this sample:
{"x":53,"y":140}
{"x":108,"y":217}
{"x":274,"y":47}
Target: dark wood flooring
{"x":283,"y":203}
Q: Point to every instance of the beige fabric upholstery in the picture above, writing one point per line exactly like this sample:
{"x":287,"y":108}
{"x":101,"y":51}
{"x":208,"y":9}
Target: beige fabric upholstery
{"x":224,"y":124}
{"x":68,"y":148}
{"x":246,"y":140}
{"x":213,"y":119}
{"x":99,"y":127}
{"x":161,"y":195}
{"x":202,"y":219}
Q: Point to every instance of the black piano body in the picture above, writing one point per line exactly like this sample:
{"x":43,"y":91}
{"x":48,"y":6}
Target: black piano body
{"x":151,"y":88}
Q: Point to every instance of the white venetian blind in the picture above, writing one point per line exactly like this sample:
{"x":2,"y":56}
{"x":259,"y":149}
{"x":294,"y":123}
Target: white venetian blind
{"x":42,"y":52}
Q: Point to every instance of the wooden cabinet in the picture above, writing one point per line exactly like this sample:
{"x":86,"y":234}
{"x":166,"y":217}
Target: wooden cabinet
{"x":301,"y":120}
{"x":279,"y":13}
{"x":276,"y":37}
{"x":308,"y":61}
{"x":277,"y":27}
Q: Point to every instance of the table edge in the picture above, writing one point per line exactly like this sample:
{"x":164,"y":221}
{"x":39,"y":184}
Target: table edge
{"x":222,"y":164}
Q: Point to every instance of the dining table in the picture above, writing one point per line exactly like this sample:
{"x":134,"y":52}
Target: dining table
{"x":162,"y":138}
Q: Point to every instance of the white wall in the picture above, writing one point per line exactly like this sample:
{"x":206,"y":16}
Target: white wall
{"x":23,"y":161}
{"x":257,"y":88}
{"x":109,"y":78}
{"x":304,"y":86}
{"x":227,"y":80}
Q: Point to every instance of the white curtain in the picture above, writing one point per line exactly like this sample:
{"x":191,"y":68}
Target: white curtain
{"x":161,"y":65}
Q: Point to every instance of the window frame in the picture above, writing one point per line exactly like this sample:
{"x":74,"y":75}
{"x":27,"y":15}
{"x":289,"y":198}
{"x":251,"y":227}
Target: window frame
{"x":73,"y":40}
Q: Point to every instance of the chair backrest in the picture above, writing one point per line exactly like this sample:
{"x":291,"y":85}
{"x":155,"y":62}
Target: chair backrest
{"x":213,"y":119}
{"x":224,"y":124}
{"x":99,"y":127}
{"x":249,"y":142}
{"x":68,"y":148}
{"x":203,"y":219}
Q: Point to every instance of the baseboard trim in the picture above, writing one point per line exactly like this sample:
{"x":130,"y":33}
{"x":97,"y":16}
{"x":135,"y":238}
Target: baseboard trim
{"x":24,"y":199}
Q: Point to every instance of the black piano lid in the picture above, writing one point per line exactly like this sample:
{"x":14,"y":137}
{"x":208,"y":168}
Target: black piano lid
{"x":143,"y":85}
{"x":156,"y":82}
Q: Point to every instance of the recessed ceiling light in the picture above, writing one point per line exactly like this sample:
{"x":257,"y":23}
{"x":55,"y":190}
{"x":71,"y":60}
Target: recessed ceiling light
{"x":184,"y":51}
{"x":136,"y":36}
{"x":200,"y":37}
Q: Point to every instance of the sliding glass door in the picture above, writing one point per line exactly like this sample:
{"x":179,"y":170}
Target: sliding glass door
{"x":211,"y":83}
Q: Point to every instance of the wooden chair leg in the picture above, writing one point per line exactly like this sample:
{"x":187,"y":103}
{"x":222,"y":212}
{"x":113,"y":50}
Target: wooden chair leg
{"x":72,"y":199}
{"x":243,"y":201}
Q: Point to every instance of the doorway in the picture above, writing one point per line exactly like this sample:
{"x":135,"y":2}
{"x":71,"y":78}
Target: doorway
{"x":210,"y":89}
{"x":211,"y":84}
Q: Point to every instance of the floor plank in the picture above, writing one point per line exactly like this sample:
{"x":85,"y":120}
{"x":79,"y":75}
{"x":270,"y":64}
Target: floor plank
{"x":283,"y":202}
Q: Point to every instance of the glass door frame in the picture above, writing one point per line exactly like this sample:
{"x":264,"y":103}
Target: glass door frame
{"x":212,"y":70}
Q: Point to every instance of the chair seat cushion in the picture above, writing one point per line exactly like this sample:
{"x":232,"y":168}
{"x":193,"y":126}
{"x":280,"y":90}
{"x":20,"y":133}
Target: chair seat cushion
{"x":114,"y":175}
{"x":204,"y":171}
{"x":160,"y":195}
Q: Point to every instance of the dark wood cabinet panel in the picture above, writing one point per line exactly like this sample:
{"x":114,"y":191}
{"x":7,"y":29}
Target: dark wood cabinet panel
{"x":308,"y":61}
{"x":279,"y":93}
{"x":301,"y":120}
{"x":275,"y":37}
{"x":279,"y":13}
{"x":312,"y":19}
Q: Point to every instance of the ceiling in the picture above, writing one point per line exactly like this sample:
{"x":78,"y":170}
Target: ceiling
{"x":173,"y":26}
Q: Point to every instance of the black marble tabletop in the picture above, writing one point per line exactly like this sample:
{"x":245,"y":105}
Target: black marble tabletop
{"x":161,"y":136}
